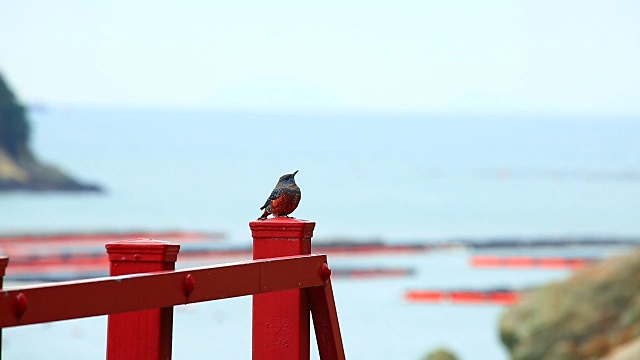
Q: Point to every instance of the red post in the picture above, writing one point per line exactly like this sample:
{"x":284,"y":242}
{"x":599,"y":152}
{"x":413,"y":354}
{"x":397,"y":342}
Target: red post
{"x":141,"y":334}
{"x":281,"y":319}
{"x":4,"y":261}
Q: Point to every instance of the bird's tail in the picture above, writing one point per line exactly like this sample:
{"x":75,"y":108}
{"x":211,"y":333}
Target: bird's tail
{"x":264,"y":215}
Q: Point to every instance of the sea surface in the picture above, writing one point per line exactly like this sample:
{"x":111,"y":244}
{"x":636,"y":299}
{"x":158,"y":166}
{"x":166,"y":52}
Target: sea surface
{"x":363,"y":177}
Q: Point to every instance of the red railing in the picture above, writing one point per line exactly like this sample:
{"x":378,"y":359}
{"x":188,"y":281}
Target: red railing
{"x":286,"y":281}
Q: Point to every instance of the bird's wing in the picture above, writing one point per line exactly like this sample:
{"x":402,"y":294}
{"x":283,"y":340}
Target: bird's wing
{"x":274,"y":195}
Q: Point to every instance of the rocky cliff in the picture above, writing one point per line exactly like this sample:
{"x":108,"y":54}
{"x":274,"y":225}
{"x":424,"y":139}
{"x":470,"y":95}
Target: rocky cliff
{"x":19,"y":167}
{"x":595,"y":314}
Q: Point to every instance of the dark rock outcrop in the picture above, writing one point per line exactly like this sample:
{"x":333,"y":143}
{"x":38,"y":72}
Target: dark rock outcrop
{"x":19,"y":168}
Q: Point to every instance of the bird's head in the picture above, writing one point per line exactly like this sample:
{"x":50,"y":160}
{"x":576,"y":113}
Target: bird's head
{"x":288,"y":178}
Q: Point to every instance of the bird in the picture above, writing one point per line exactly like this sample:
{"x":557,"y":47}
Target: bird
{"x":284,"y":198}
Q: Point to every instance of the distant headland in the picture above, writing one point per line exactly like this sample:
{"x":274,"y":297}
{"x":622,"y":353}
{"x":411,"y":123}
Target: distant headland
{"x":19,"y":167}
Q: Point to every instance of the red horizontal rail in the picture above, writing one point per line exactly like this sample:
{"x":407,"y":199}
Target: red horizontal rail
{"x":117,"y":294}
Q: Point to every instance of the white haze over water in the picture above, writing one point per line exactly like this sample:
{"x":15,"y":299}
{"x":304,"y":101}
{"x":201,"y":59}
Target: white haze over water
{"x":375,"y":176}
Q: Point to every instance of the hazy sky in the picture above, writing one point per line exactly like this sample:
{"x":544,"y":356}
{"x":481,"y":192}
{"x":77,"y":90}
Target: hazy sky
{"x":557,"y":57}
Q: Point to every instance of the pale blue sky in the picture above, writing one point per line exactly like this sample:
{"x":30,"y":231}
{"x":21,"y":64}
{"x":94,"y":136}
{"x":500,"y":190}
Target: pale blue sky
{"x":520,"y":57}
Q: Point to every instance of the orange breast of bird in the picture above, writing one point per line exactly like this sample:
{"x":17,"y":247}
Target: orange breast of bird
{"x":285,"y":203}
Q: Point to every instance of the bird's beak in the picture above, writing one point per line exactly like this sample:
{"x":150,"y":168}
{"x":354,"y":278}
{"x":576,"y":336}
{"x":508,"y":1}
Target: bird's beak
{"x":295,"y":172}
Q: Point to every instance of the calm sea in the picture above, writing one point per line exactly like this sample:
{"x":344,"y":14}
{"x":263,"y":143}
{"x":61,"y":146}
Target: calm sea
{"x":396,"y":178}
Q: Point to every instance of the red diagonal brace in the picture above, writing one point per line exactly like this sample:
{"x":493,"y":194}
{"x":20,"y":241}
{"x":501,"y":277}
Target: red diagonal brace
{"x":325,"y":322}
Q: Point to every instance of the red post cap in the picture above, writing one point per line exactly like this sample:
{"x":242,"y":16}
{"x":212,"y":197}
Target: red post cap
{"x":282,"y":228}
{"x":143,"y":250}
